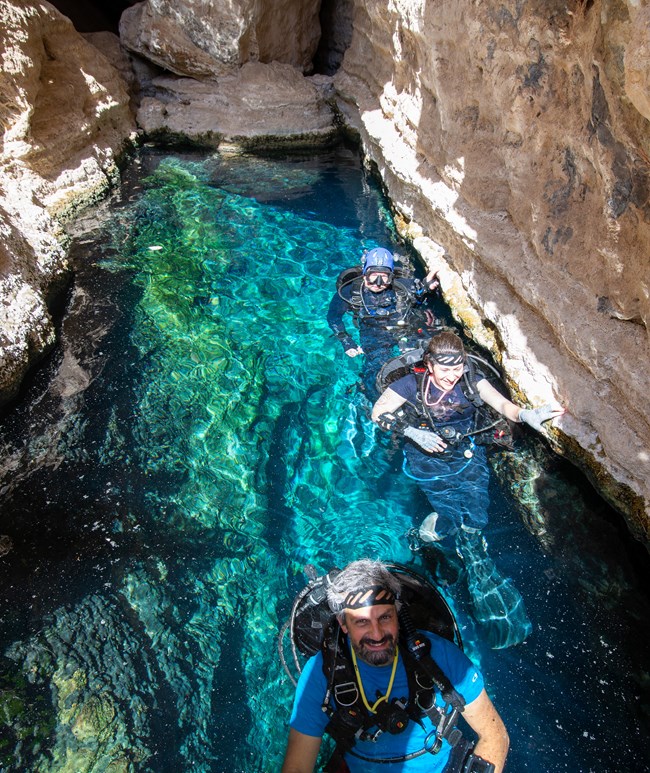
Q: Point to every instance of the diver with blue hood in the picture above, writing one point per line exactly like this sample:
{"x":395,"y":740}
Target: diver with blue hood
{"x":381,"y":298}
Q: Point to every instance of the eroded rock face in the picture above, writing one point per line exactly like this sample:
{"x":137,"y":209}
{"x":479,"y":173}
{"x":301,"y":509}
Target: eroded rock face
{"x":514,"y":140}
{"x":65,"y":115}
{"x":203,"y":38}
{"x":260,"y":105}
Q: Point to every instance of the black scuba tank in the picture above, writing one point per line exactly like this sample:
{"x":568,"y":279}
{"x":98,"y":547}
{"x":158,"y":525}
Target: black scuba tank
{"x":347,"y":275}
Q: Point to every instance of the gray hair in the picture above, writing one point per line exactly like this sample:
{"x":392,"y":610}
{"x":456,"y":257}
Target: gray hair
{"x":359,"y":576}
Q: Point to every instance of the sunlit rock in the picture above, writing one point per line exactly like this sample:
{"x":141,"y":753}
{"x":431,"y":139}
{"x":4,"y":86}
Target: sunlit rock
{"x":109,"y":44}
{"x":65,"y":114}
{"x":516,"y":139}
{"x":260,"y":104}
{"x":637,"y":59}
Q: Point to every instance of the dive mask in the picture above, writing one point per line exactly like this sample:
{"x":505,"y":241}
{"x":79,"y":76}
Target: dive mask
{"x":380,"y":278}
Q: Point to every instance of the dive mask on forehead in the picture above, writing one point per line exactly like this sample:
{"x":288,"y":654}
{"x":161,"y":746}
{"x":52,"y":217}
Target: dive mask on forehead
{"x":449,"y":360}
{"x":369,"y":597}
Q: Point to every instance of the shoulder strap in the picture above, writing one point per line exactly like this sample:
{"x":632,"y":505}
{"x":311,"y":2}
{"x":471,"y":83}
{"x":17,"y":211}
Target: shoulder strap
{"x":422,"y":670}
{"x":469,"y":383}
{"x":348,"y":287}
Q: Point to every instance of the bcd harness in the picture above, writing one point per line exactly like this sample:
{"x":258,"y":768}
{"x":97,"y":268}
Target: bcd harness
{"x":354,"y":720}
{"x":374,"y":308}
{"x":419,"y":415}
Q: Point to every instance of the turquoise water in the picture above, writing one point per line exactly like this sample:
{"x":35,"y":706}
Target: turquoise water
{"x":199,"y":437}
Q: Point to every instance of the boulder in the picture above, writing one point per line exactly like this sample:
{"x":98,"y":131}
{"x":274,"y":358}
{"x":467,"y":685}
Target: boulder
{"x":204,"y":38}
{"x":260,"y":105}
{"x":66,"y":120}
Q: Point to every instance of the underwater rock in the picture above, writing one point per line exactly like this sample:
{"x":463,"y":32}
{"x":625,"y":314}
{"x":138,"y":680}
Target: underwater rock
{"x":89,"y":657}
{"x":6,"y":544}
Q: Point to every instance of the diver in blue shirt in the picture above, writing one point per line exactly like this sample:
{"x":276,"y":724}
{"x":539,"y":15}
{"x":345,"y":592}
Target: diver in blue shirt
{"x":388,"y":697}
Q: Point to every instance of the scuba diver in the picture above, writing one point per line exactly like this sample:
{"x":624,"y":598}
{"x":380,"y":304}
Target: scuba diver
{"x":381,"y":298}
{"x":388,"y":694}
{"x":436,"y":406}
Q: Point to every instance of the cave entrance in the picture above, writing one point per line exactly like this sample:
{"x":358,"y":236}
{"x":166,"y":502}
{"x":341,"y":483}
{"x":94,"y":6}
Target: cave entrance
{"x":336,"y":34}
{"x":89,"y":16}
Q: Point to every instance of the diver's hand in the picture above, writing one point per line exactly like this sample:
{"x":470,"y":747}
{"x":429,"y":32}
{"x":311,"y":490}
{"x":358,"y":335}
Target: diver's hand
{"x":354,"y":351}
{"x":535,"y":417}
{"x":425,"y":439}
{"x":431,"y":280}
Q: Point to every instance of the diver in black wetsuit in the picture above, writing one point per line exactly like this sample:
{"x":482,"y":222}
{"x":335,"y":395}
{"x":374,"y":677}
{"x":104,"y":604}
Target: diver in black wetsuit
{"x":441,"y":453}
{"x":382,"y":300}
{"x":434,"y":408}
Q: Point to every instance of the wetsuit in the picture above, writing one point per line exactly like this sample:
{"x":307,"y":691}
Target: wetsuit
{"x":384,"y":319}
{"x":456,"y":481}
{"x":308,"y":717}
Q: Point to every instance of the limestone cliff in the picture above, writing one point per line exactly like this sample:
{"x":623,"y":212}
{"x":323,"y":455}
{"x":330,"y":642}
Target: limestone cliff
{"x":201,"y":38}
{"x":65,"y":115}
{"x":514,"y":139}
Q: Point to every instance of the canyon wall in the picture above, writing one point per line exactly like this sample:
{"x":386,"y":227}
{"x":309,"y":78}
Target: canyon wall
{"x":65,"y":120}
{"x":513,"y":140}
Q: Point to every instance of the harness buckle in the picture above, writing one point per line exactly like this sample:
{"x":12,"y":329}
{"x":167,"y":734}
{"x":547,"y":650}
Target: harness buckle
{"x":346,"y":694}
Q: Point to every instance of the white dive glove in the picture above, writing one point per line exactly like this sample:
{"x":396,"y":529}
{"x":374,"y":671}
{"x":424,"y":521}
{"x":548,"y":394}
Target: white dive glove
{"x":535,"y":417}
{"x":425,"y":439}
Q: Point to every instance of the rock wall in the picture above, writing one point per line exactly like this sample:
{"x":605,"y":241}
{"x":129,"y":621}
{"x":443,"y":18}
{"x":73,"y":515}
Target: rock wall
{"x":65,"y":117}
{"x":514,"y":140}
{"x":203,"y":38}
{"x":256,"y":106}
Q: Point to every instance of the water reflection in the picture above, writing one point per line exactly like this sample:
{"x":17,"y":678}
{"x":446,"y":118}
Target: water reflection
{"x":198,"y":438}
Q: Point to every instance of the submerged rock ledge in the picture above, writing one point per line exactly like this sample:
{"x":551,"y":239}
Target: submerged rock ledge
{"x":518,"y":168}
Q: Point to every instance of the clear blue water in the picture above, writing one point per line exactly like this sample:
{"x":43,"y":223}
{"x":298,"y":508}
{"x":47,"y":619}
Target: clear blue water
{"x":198,"y":437}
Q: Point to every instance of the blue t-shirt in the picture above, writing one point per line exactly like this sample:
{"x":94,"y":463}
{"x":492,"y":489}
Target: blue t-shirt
{"x":308,"y":717}
{"x":450,"y":408}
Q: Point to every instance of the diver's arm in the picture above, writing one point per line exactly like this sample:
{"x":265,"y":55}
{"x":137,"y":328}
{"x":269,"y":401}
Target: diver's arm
{"x":383,"y":413}
{"x":388,"y":402}
{"x":532,"y":416}
{"x":496,"y":400}
{"x":301,"y":754}
{"x":335,"y":313}
{"x":493,"y":741}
